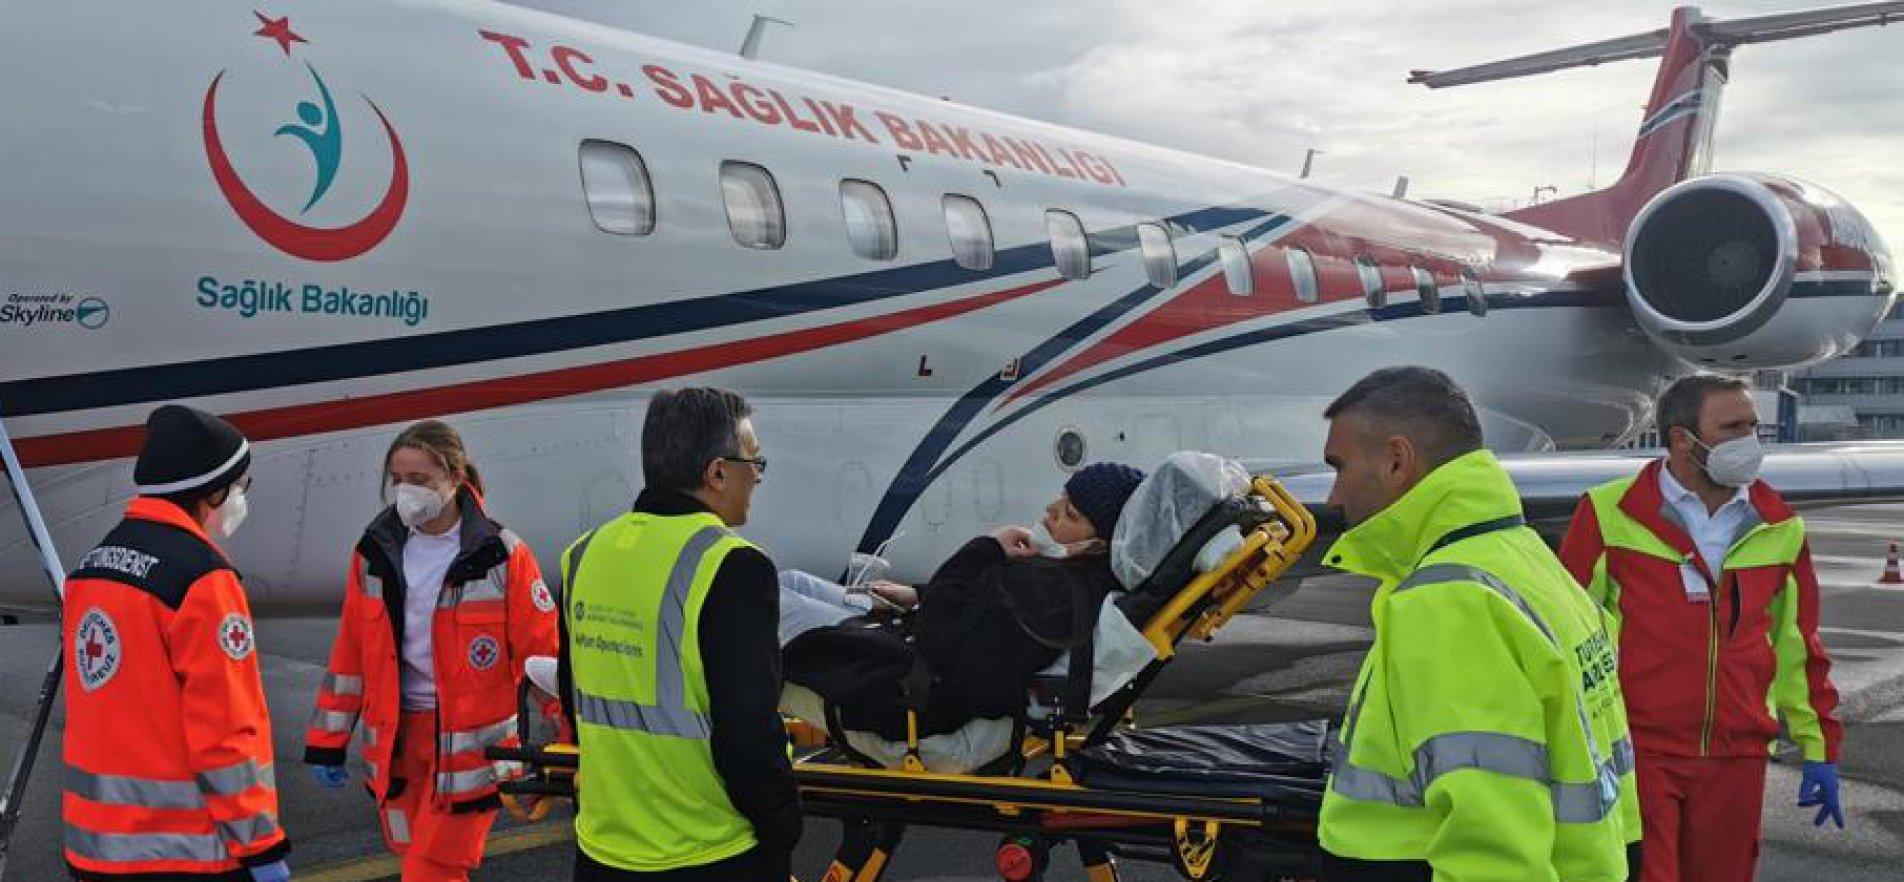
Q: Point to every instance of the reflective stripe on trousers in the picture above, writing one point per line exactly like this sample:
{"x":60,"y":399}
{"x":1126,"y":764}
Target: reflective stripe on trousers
{"x":669,"y":715}
{"x":1501,"y":754}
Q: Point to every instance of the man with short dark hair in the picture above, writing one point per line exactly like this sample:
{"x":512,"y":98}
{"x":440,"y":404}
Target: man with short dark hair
{"x":1708,"y":580}
{"x":670,"y":665}
{"x":1485,"y":740}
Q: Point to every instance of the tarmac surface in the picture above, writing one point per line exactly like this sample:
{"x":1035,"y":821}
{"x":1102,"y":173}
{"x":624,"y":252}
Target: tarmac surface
{"x":1291,"y":660}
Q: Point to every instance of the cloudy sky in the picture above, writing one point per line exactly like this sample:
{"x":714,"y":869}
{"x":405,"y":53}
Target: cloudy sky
{"x":1258,"y":82}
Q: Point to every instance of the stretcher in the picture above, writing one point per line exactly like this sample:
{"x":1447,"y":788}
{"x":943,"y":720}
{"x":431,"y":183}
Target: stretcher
{"x":1212,"y":801}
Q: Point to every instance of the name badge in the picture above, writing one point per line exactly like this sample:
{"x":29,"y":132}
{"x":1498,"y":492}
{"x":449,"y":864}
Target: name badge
{"x":1697,"y":590}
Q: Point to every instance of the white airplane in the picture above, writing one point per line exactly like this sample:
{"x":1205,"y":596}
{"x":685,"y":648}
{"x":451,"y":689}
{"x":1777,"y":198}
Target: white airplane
{"x":327,"y":220}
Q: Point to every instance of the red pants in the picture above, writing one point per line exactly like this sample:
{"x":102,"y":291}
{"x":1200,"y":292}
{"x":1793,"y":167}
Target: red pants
{"x":436,"y":845}
{"x":1700,"y":818}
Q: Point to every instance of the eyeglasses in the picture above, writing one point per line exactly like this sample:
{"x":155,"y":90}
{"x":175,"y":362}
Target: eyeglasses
{"x":758,"y":462}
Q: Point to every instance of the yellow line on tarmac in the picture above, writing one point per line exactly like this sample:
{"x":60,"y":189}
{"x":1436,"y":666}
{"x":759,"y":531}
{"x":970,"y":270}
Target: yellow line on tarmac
{"x":389,"y":866}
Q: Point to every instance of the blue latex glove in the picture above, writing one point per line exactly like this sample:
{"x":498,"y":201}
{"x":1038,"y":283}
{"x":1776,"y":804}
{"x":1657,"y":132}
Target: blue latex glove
{"x":277,"y":871}
{"x":1820,"y":788}
{"x":335,"y":777}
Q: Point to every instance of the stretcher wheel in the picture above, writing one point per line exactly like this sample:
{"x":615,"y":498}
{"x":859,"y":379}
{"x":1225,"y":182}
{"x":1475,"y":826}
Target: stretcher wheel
{"x":1021,"y":859}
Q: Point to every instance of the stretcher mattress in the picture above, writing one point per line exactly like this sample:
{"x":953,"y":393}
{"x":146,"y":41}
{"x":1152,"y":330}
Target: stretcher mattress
{"x":1281,"y":763}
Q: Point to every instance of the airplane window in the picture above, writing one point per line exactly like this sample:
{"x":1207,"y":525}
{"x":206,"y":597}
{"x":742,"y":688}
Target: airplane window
{"x":1160,"y":256}
{"x":970,"y":230}
{"x":615,"y":182}
{"x":753,"y":205}
{"x":1371,"y":282}
{"x":1069,"y":250}
{"x":869,"y":220}
{"x":1302,"y":272}
{"x":1236,"y":266}
{"x":1427,"y":290}
{"x":1477,"y":296}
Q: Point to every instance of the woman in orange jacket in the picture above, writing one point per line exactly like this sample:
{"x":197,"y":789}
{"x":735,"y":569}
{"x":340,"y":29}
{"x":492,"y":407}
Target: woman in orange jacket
{"x":442,"y":610}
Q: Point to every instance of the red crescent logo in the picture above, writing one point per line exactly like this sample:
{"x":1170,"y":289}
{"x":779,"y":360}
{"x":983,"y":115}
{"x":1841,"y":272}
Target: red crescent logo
{"x":290,"y":237}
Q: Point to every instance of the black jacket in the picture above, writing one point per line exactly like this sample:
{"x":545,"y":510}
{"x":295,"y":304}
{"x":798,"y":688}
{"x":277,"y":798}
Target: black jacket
{"x":985,"y":624}
{"x":740,"y":655}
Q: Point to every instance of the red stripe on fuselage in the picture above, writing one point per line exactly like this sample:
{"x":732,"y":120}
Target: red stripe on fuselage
{"x":353,"y":413}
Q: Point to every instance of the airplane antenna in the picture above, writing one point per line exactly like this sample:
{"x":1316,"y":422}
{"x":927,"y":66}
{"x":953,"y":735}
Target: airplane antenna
{"x":750,"y":47}
{"x":10,"y":802}
{"x":1308,"y":161}
{"x":1401,"y":188}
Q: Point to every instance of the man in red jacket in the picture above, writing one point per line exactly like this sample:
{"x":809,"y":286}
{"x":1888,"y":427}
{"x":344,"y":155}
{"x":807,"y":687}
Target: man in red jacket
{"x":1707,"y":578}
{"x":168,"y":743}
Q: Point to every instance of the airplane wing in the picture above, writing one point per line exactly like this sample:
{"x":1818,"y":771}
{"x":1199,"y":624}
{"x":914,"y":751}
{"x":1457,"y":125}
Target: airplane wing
{"x":1807,"y":475}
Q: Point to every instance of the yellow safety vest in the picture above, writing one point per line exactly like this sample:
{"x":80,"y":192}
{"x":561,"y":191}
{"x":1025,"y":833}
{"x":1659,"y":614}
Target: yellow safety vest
{"x":1486,"y":733}
{"x":649,"y":796}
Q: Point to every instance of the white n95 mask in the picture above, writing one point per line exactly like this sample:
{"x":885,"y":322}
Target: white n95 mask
{"x":230,"y":515}
{"x":1047,"y":546}
{"x":418,"y":505}
{"x":1734,"y":463}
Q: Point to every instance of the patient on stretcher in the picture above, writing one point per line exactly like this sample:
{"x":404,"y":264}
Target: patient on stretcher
{"x":963,"y":648}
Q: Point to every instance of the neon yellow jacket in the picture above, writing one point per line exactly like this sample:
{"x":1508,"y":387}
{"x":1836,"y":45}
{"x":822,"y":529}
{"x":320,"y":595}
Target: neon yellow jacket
{"x":1486,"y":734}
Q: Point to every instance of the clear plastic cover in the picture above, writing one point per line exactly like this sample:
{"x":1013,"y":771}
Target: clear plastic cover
{"x":1166,"y":505}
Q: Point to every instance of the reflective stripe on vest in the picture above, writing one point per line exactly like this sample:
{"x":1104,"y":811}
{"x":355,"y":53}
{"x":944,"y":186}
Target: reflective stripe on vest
{"x":1494,"y":752}
{"x":631,"y":611}
{"x":669,"y":715}
{"x":476,"y":739}
{"x":127,"y":790}
{"x":238,"y":777}
{"x":246,"y":831}
{"x":336,"y":722}
{"x":472,"y":780}
{"x":678,"y":722}
{"x":143,"y":847}
{"x":493,"y":587}
{"x":342,"y":685}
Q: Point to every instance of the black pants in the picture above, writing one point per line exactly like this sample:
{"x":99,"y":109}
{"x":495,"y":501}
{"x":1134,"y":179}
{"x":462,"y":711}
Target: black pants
{"x":1335,"y":869}
{"x":748,"y":866}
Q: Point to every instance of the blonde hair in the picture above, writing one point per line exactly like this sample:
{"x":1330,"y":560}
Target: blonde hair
{"x":442,"y":444}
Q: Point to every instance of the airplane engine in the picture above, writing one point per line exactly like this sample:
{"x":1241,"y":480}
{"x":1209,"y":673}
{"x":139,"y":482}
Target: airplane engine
{"x":1741,"y":272}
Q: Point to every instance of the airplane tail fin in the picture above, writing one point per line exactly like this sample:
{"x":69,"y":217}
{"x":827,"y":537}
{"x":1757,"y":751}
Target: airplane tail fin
{"x":1675,"y":134}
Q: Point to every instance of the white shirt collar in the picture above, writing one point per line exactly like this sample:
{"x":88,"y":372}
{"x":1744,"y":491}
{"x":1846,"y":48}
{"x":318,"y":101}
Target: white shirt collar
{"x":1677,"y":494}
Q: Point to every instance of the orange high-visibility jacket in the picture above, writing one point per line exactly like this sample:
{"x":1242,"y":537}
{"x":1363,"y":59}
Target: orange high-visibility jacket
{"x":168,"y":743}
{"x":494,"y":612}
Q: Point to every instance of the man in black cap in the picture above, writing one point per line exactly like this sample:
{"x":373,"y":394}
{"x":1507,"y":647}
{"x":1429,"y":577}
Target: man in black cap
{"x":168,"y":743}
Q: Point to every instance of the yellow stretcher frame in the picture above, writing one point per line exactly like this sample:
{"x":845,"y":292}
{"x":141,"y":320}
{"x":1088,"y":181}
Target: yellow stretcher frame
{"x":1049,"y":806}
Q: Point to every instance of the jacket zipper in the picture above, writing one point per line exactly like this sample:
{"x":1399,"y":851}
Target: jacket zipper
{"x":1712,"y":674}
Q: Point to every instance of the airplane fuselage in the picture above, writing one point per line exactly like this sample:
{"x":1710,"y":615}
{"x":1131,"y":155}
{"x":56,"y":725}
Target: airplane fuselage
{"x":391,"y":218}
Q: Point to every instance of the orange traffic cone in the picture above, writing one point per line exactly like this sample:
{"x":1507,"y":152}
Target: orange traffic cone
{"x":1891,"y":574}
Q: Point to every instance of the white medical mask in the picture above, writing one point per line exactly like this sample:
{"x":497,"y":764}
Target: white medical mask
{"x":1734,"y":463}
{"x":230,"y":514}
{"x":1047,"y":546}
{"x":418,"y":505}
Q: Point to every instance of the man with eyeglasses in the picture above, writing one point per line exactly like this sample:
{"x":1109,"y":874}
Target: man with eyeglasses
{"x":670,"y":665}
